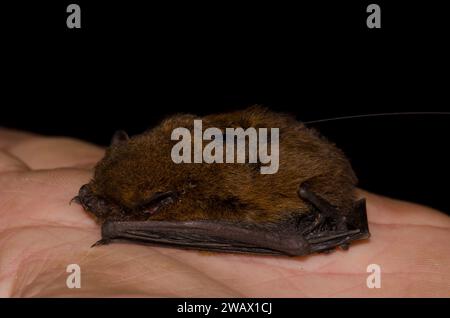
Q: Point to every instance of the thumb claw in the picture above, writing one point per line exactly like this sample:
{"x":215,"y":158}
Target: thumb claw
{"x":101,"y":242}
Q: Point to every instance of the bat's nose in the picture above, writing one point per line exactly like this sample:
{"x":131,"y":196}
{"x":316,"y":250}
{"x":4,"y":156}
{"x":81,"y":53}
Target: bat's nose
{"x":94,"y":203}
{"x":84,"y":190}
{"x":85,"y":197}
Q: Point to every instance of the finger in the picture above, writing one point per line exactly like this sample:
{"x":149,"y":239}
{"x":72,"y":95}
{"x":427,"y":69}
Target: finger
{"x":10,"y":163}
{"x":40,"y":152}
{"x":11,"y":137}
{"x":56,"y":152}
{"x":43,"y":197}
{"x":385,"y":210}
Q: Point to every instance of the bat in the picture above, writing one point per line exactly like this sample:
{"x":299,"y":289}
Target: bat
{"x":139,"y":194}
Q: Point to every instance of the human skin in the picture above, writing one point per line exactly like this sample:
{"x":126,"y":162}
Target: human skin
{"x":41,"y":234}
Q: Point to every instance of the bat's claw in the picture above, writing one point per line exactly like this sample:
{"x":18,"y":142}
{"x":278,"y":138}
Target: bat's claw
{"x":101,"y":242}
{"x":345,"y":246}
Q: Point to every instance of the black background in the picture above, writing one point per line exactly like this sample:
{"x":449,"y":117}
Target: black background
{"x":76,"y":307}
{"x":132,"y":64}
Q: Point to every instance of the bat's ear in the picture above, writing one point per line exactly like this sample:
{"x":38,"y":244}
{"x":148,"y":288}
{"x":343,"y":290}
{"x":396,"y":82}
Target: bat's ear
{"x":119,"y":137}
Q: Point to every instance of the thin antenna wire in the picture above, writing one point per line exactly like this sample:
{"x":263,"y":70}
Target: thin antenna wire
{"x":375,"y":115}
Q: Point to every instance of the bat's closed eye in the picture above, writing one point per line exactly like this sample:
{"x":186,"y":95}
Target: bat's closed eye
{"x":157,"y":201}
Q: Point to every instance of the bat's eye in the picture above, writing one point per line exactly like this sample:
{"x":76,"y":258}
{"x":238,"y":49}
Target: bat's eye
{"x":157,"y":201}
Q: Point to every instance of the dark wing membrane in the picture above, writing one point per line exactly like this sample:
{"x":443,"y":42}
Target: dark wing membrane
{"x":209,"y":235}
{"x":284,"y":238}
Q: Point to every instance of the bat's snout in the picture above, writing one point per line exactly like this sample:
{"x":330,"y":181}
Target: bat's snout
{"x":97,"y":205}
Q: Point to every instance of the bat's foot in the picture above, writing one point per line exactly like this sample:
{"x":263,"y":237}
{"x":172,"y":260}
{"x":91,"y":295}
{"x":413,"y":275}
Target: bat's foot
{"x":344,"y":247}
{"x":324,"y":211}
{"x":328,"y":240}
{"x":329,"y":229}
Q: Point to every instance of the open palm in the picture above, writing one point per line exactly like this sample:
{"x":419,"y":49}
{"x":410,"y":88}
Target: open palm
{"x":41,"y":234}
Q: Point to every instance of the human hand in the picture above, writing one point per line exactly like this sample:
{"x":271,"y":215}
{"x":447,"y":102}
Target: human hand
{"x":41,"y":234}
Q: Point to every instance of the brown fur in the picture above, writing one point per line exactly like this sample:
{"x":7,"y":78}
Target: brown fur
{"x":133,"y":171}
